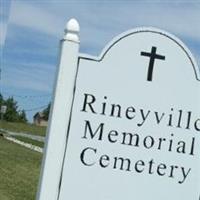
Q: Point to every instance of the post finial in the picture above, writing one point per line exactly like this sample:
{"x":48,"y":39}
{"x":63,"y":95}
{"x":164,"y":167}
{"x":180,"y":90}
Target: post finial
{"x":72,"y":30}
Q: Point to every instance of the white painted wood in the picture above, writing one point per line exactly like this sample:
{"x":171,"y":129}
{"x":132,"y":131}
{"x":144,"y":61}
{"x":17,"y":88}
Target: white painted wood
{"x":119,"y":76}
{"x":72,"y":30}
{"x":60,"y":113}
{"x":165,"y":108}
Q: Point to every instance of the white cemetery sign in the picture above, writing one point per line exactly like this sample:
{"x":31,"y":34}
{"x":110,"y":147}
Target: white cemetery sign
{"x":124,"y":125}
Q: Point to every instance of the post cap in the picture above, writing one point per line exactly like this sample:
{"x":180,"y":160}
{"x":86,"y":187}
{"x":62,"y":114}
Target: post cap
{"x":72,"y":30}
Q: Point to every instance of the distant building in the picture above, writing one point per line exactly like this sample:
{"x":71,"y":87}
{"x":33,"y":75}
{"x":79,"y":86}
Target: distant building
{"x":39,"y":120}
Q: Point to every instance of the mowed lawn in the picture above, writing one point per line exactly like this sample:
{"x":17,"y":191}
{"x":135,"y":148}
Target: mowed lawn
{"x":19,"y":171}
{"x":30,"y":141}
{"x":23,"y":127}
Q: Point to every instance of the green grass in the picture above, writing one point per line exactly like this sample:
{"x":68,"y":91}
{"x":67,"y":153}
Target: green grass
{"x":23,"y":127}
{"x":19,"y":171}
{"x":30,"y":141}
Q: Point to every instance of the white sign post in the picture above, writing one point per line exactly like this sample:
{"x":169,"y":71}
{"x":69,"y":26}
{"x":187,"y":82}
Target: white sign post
{"x":124,"y":125}
{"x":3,"y":109}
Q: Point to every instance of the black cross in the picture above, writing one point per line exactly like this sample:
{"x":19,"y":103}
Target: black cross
{"x":152,"y":56}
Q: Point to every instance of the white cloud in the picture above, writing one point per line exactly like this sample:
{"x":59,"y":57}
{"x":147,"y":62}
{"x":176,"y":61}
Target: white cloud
{"x":107,"y":19}
{"x":31,"y":76}
{"x":179,"y":18}
{"x":34,"y":17}
{"x":4,"y":15}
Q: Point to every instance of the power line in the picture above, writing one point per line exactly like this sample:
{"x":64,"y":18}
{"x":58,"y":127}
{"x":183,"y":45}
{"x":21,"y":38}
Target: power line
{"x":36,"y":108}
{"x":26,"y":96}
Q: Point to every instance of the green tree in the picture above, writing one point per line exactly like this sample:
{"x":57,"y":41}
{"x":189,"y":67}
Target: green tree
{"x":1,"y":100}
{"x":46,"y":111}
{"x":22,"y":116}
{"x":11,"y":114}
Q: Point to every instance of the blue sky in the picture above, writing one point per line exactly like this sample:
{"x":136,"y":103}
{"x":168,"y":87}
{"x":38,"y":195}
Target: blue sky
{"x":31,"y":30}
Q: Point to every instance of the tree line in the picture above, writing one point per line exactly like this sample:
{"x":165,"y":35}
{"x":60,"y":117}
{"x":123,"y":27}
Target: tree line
{"x":12,"y":113}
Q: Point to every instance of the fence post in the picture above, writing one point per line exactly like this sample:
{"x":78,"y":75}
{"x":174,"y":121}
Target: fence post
{"x":59,"y":115}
